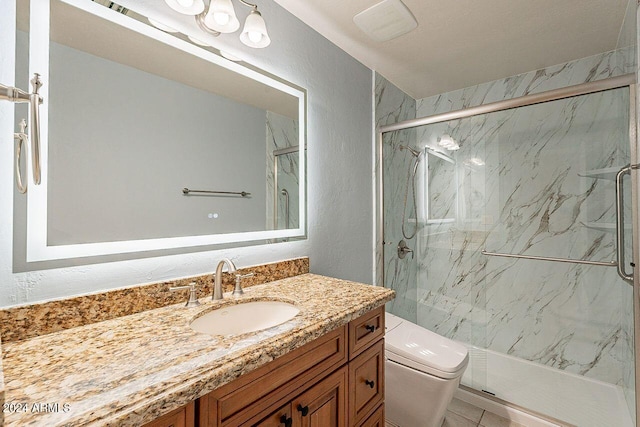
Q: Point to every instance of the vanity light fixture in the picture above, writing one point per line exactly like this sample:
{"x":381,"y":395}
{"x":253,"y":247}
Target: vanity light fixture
{"x":221,"y":18}
{"x":186,"y":7}
{"x":198,"y":42}
{"x":161,"y":26}
{"x":229,"y":56}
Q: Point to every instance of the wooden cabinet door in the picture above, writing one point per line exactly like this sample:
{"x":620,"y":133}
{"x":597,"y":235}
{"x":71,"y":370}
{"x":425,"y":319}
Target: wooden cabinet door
{"x":278,"y":418}
{"x":183,"y":417}
{"x":375,"y":420}
{"x":323,"y":405}
{"x":366,"y":382}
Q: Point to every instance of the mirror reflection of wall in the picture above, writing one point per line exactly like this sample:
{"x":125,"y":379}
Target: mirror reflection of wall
{"x":283,"y":180}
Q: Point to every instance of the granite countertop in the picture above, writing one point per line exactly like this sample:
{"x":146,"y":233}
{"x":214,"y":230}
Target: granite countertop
{"x":130,"y":370}
{"x":1,"y":387}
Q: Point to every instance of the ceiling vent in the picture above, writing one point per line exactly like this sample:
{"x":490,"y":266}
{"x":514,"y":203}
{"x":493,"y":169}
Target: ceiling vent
{"x":386,"y":20}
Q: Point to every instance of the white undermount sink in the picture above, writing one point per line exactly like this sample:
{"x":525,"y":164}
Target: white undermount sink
{"x":244,"y":317}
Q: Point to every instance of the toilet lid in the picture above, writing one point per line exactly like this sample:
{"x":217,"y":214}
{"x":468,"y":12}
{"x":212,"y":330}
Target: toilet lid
{"x":419,"y":348}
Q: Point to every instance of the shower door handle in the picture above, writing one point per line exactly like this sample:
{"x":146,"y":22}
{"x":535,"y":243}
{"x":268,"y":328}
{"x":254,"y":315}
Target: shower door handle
{"x":620,"y":224}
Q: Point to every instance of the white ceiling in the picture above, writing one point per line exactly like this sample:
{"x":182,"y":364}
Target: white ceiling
{"x":461,"y":43}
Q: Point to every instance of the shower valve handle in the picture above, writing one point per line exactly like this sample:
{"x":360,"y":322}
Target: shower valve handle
{"x":403,"y":250}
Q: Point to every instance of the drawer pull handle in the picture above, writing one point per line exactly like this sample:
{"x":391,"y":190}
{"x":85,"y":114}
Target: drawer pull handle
{"x":286,"y":421}
{"x":371,"y":384}
{"x":370,"y":328}
{"x":303,"y":409}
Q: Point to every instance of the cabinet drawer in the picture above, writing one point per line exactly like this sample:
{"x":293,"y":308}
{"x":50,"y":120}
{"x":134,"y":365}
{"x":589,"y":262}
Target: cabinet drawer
{"x":365,"y":330}
{"x":183,"y":417}
{"x":255,"y":392}
{"x":375,"y":420}
{"x":366,"y":382}
{"x":279,"y":418}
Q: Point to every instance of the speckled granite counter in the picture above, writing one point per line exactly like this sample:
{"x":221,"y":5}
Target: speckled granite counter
{"x":1,"y":387}
{"x":130,"y":370}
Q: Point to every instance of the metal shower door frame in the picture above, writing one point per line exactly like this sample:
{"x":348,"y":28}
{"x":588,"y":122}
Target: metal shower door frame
{"x":626,"y":80}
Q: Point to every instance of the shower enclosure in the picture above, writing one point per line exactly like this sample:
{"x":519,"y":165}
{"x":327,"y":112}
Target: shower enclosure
{"x":523,"y":247}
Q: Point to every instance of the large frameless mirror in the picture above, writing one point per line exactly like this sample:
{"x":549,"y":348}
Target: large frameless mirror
{"x":152,"y":142}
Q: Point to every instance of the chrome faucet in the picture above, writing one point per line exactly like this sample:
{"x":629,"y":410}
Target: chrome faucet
{"x":217,"y":282}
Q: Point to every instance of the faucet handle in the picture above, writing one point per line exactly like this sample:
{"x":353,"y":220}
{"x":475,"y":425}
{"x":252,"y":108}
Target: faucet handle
{"x":238,"y":290}
{"x":193,"y":298}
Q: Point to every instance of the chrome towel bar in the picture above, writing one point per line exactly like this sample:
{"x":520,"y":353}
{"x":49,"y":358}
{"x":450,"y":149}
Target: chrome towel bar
{"x":186,"y":191}
{"x":544,"y":258}
{"x":13,"y":94}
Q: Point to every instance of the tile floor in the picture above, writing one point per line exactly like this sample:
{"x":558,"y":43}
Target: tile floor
{"x":463,"y":414}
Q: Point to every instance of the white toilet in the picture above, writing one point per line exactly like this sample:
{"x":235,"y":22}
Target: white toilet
{"x":422,"y":372}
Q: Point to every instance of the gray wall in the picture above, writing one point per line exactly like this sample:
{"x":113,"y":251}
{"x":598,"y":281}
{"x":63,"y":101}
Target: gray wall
{"x":129,"y":156}
{"x":339,"y":178}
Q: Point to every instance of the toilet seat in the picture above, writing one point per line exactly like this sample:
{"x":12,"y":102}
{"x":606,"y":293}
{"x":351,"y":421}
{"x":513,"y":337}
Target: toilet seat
{"x":413,"y":346}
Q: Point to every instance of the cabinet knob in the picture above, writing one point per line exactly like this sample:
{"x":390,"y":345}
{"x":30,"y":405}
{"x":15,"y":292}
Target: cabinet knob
{"x":371,"y":384}
{"x":370,"y":328}
{"x":286,"y":421}
{"x":303,"y":409}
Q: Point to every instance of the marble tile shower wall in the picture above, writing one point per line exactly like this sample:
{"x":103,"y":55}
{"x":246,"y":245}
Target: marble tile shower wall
{"x":393,"y":106}
{"x":282,"y":132}
{"x":627,"y":60}
{"x":522,"y":189}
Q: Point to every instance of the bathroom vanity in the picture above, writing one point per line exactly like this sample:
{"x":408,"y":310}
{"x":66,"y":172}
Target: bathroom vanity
{"x":336,"y":379}
{"x":322,"y":367}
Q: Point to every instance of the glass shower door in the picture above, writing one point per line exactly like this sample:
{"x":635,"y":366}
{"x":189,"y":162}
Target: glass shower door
{"x":515,"y":251}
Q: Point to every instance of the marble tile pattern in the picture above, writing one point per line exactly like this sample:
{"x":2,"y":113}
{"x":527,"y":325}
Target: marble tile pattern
{"x":282,"y":132}
{"x":627,"y":48}
{"x":28,"y":321}
{"x":531,"y":195}
{"x":392,"y":106}
{"x":130,"y":370}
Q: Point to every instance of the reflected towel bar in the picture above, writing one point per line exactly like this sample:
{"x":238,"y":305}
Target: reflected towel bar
{"x":544,"y":258}
{"x":239,"y":193}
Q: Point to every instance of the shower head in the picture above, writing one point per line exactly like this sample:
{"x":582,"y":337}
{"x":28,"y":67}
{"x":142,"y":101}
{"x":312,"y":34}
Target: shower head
{"x":413,"y":151}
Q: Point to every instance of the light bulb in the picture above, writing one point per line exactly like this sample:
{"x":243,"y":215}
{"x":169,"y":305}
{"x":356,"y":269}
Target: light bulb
{"x":186,"y":7}
{"x":255,"y":33}
{"x":255,"y":36}
{"x":221,"y":18}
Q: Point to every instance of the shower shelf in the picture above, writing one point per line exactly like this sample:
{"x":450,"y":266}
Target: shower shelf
{"x":605,"y":173}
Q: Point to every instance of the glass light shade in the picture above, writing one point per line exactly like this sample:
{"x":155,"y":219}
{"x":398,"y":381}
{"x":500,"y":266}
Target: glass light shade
{"x":229,"y":56}
{"x":254,"y":33}
{"x":186,"y":7}
{"x":198,"y":42}
{"x":161,"y":26}
{"x":221,"y":17}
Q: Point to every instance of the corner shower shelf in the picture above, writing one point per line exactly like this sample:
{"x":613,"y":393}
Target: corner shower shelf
{"x":605,"y":173}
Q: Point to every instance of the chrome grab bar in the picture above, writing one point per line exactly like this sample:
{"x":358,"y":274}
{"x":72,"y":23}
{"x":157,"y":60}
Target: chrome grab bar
{"x":240,"y":193}
{"x":285,"y":193}
{"x":620,"y":223}
{"x":544,"y":258}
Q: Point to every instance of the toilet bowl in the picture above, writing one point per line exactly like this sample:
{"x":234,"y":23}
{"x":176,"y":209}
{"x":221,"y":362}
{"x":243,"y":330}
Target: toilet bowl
{"x":422,"y":372}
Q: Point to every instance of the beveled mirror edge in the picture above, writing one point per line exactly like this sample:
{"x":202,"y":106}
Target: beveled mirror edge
{"x":37,"y":248}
